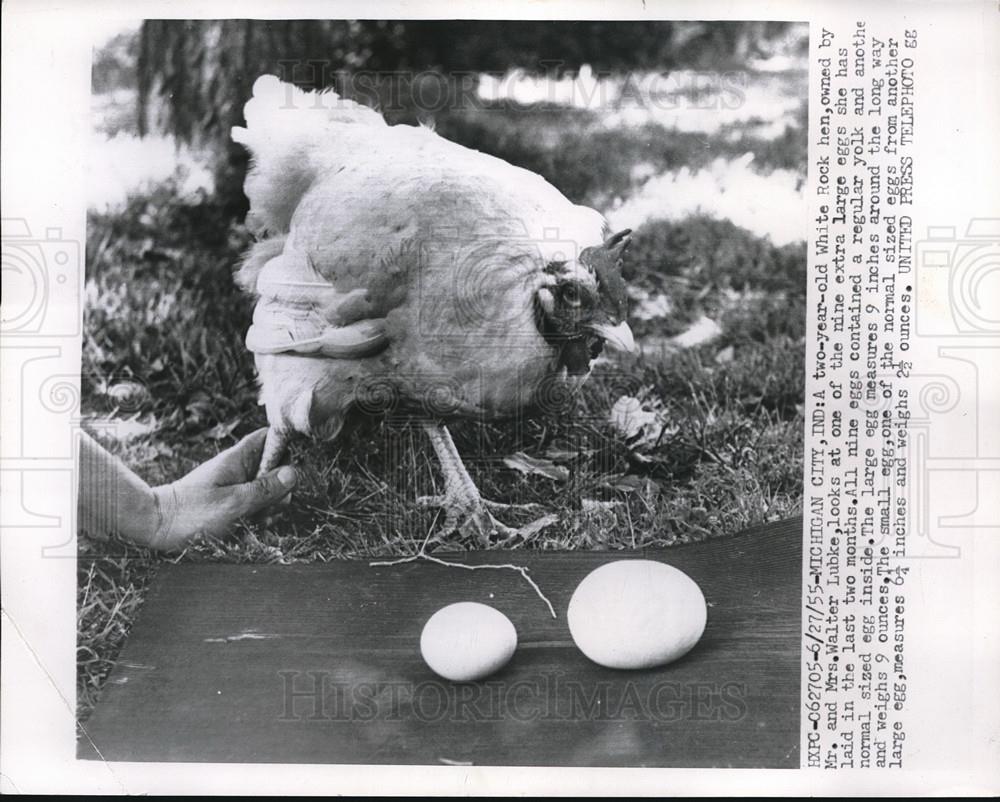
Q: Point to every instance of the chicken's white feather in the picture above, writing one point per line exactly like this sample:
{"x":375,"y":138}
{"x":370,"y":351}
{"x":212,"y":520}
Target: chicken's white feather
{"x":289,"y":133}
{"x":409,"y":259}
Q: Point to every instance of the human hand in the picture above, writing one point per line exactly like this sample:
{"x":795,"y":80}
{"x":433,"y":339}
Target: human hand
{"x":215,"y":494}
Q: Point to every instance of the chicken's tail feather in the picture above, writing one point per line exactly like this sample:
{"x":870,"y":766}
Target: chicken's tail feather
{"x":291,"y":135}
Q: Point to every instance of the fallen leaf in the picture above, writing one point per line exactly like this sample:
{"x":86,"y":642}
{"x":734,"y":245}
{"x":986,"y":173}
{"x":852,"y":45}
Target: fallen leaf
{"x":222,"y":430}
{"x":630,"y":483}
{"x":532,"y":465}
{"x":624,"y":484}
{"x":643,"y":422}
{"x":127,"y":429}
{"x":558,"y":454}
{"x":629,"y":418}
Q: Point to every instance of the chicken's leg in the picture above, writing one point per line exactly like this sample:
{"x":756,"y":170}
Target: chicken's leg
{"x":466,"y":510}
{"x":275,"y":444}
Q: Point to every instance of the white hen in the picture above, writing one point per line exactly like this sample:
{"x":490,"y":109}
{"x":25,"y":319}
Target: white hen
{"x":397,"y":266}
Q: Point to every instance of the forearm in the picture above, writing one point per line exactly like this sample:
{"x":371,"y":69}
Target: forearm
{"x":205,"y":502}
{"x":113,"y":499}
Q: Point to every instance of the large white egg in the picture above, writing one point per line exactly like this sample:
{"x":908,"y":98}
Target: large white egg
{"x":467,"y":641}
{"x":636,"y":614}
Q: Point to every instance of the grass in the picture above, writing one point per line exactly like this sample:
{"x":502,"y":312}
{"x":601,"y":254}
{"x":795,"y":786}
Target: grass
{"x":109,"y":594}
{"x":164,"y":320}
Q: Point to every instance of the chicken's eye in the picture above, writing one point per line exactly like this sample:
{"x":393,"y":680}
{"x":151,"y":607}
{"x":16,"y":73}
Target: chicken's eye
{"x":570,"y":294}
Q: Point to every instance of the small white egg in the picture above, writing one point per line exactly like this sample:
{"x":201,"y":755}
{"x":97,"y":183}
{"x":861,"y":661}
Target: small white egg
{"x":636,"y":614}
{"x":467,"y":641}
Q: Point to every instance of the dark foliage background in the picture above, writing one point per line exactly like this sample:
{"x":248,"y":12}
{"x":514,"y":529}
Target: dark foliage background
{"x":193,"y":76}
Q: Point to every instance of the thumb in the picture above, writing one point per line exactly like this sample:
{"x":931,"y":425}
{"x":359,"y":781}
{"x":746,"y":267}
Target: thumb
{"x":265,"y":490}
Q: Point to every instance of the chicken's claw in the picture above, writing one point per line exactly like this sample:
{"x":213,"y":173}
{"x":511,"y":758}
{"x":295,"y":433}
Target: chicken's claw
{"x":472,"y":517}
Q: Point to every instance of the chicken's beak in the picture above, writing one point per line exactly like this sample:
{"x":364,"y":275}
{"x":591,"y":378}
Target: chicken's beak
{"x":618,"y":337}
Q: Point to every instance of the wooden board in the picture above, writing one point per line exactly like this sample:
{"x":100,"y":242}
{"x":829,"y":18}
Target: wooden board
{"x":320,"y":664}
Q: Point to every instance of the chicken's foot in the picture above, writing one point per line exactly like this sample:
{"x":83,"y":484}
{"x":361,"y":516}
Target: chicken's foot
{"x":466,"y":511}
